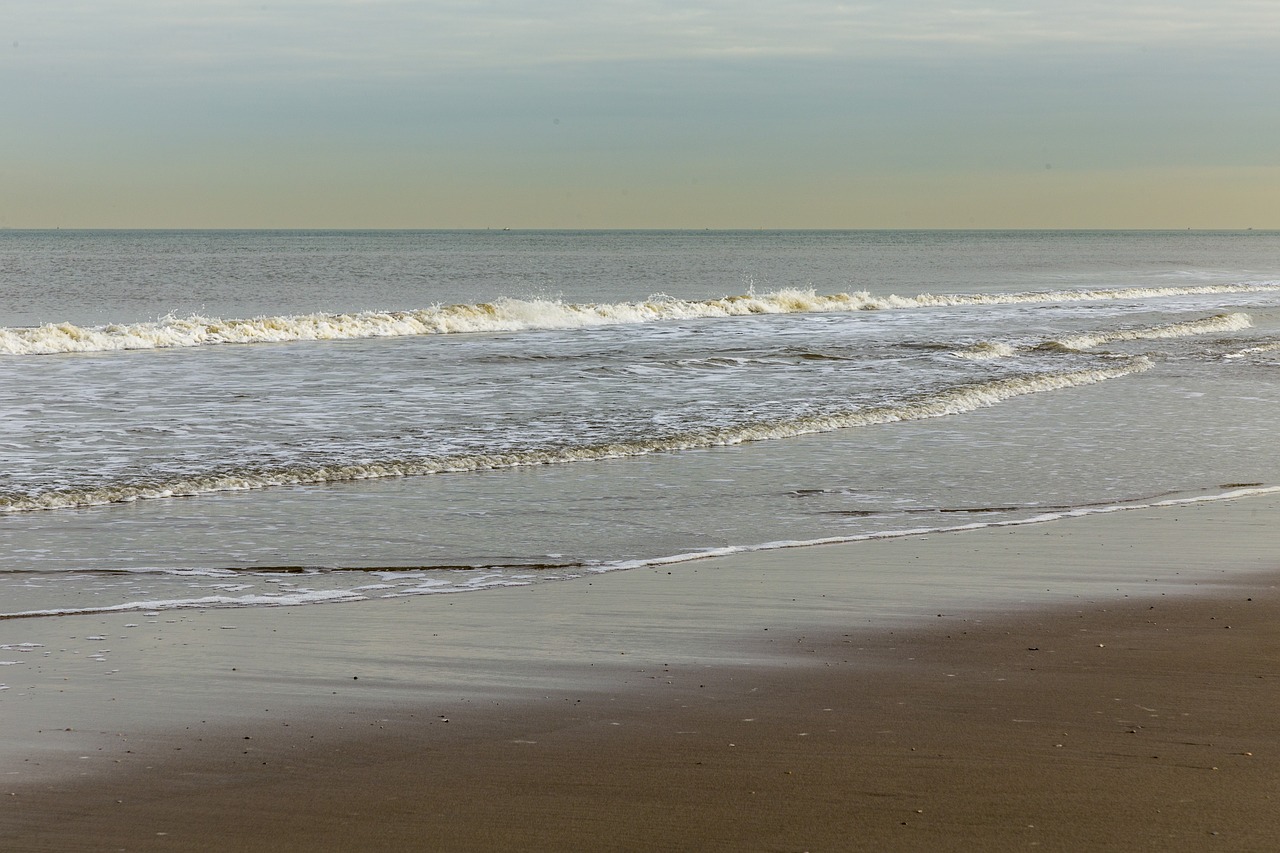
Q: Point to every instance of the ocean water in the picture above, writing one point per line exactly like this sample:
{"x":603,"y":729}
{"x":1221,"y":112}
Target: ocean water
{"x":222,"y":419}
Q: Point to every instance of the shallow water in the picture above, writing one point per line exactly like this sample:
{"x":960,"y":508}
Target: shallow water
{"x":239,"y":418}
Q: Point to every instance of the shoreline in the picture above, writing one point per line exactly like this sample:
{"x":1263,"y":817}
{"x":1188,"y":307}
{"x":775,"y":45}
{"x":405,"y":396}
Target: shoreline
{"x":1012,"y":685}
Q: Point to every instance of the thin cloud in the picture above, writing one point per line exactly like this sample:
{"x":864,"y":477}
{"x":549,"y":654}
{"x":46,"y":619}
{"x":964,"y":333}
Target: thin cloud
{"x":372,"y":37}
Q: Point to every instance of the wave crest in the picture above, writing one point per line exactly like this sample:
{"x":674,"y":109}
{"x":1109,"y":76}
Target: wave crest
{"x":508,"y":315}
{"x":986,"y":350}
{"x":1218,"y":323}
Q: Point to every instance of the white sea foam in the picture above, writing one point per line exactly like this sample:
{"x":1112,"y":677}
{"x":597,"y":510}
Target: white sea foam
{"x":1219,"y":323}
{"x":497,"y":579}
{"x":1255,"y":350}
{"x":951,"y":401}
{"x":507,"y":315}
{"x":986,"y":350}
{"x":1216,"y":324}
{"x":202,"y":603}
{"x":1041,"y":518}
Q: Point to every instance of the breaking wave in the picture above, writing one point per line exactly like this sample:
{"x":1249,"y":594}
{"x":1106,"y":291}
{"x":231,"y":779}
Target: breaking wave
{"x":508,"y":315}
{"x":1218,"y":323}
{"x":955,"y":400}
{"x":1255,"y":350}
{"x":986,"y":350}
{"x":1235,"y":322}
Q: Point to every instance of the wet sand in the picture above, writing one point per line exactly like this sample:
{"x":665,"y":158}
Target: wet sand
{"x":1106,"y":683}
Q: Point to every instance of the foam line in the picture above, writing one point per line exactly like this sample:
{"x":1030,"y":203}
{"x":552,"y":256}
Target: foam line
{"x":508,"y":315}
{"x":955,"y":400}
{"x":1218,"y":323}
{"x":335,"y":596}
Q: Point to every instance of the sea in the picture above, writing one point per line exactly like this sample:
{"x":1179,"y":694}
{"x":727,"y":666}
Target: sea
{"x":204,"y":419}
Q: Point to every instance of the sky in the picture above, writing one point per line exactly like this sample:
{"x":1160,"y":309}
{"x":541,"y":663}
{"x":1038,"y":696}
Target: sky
{"x":623,"y":114}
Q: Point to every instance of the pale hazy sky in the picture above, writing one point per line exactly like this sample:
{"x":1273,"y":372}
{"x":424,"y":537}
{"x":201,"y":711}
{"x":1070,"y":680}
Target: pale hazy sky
{"x":666,"y":113}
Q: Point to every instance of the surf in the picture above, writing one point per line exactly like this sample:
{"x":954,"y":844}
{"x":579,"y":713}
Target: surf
{"x":1217,"y":324}
{"x":954,"y":400}
{"x":522,"y":315}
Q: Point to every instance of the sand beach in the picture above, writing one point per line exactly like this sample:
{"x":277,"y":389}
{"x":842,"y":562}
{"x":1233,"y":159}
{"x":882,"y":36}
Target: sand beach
{"x":1100,"y":683}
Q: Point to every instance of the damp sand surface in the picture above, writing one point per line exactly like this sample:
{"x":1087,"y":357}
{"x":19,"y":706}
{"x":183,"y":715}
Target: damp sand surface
{"x":1102,"y":683}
